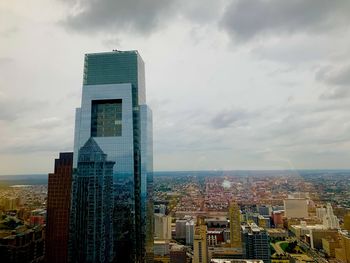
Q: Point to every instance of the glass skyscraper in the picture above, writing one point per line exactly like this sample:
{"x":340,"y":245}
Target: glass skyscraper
{"x":255,"y":243}
{"x":91,"y":224}
{"x":114,"y":113}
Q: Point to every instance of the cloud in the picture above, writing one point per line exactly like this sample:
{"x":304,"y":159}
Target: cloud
{"x":12,"y":108}
{"x":9,"y":31}
{"x":4,"y":61}
{"x":305,"y":127}
{"x":140,"y":16}
{"x":339,"y":76}
{"x":47,"y":123}
{"x":247,"y":19}
{"x":23,"y":145}
{"x":337,"y":80}
{"x":116,"y":15}
{"x":228,"y":118}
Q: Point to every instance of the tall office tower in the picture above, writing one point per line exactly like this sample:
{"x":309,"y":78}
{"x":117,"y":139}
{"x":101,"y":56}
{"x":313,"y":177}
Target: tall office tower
{"x":189,"y":232}
{"x":329,"y":219}
{"x":343,"y":253}
{"x":162,"y":226}
{"x":180,"y":229}
{"x":264,"y":210}
{"x":114,"y":112}
{"x":91,"y":226}
{"x":321,"y":212}
{"x":235,"y":225}
{"x":255,"y":243}
{"x":346,"y":225}
{"x":58,"y":205}
{"x":200,"y":245}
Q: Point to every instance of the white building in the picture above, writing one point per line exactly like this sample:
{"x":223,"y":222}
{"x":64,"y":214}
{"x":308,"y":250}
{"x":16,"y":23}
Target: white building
{"x":189,"y":232}
{"x":321,"y":212}
{"x":162,"y":226}
{"x":330,"y":221}
{"x":296,"y":208}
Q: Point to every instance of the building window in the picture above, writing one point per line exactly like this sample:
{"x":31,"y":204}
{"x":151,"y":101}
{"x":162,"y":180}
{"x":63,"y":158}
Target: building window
{"x":106,"y":118}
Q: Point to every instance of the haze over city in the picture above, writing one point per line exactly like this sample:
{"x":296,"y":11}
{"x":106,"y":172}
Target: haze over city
{"x":233,"y":84}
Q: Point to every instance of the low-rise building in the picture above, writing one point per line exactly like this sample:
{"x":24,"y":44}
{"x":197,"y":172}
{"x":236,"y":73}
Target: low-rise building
{"x":22,"y":245}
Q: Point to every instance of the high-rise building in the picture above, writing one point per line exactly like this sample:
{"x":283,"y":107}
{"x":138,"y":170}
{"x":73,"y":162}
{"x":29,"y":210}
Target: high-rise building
{"x":329,"y":219}
{"x":343,"y":253}
{"x":264,"y":210}
{"x":346,"y":225}
{"x":58,"y":205}
{"x":255,"y":243}
{"x":277,"y":218}
{"x":180,"y":229}
{"x":200,"y":245}
{"x":114,"y":112}
{"x":235,"y":225}
{"x":189,"y":232}
{"x":91,"y":228}
{"x":321,"y":212}
{"x":296,"y":208}
{"x":22,"y":244}
{"x":162,"y":226}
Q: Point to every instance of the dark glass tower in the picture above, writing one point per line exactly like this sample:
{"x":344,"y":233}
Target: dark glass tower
{"x":114,"y":112}
{"x":91,"y":226}
{"x":255,"y":243}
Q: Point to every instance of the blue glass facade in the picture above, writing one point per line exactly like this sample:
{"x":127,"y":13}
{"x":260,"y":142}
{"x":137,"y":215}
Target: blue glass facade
{"x":256,"y":243}
{"x":117,"y":79}
{"x":91,"y":221}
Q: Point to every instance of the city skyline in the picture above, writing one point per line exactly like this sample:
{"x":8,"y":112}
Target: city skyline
{"x":271,"y":94}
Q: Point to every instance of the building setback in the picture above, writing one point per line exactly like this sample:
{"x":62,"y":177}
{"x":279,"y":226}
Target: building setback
{"x":58,"y":205}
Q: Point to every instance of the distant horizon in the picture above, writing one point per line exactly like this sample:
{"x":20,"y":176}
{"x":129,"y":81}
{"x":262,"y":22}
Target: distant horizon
{"x":214,"y":170}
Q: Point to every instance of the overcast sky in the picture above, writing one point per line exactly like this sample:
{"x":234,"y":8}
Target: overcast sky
{"x":233,"y":84}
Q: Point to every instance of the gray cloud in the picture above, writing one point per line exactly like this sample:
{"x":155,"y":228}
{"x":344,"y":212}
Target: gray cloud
{"x":9,"y":31}
{"x":116,"y":15}
{"x":335,"y":93}
{"x":4,"y":61}
{"x":335,"y":76}
{"x":47,"y":123}
{"x":337,"y":80}
{"x":228,"y":118}
{"x":12,"y":109}
{"x":36,"y":145}
{"x":144,"y":17}
{"x":303,"y":127}
{"x":246,"y":19}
